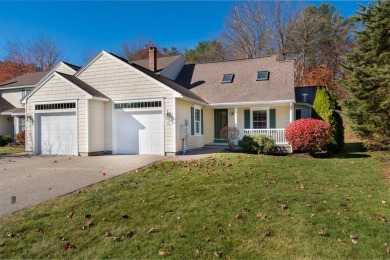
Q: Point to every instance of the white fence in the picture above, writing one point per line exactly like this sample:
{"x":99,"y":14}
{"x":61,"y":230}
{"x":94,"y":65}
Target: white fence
{"x":277,"y":134}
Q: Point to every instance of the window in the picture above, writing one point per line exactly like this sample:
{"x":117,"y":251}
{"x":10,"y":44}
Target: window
{"x":227,"y":78}
{"x":260,"y":119}
{"x":25,"y":92}
{"x":55,"y":106}
{"x":132,"y":105}
{"x":22,"y":124}
{"x":197,"y":121}
{"x":298,"y":114}
{"x":262,"y":75}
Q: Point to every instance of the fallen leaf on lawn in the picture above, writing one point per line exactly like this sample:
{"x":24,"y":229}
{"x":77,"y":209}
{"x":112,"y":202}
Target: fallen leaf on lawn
{"x":387,"y":249}
{"x":381,"y":218}
{"x":88,"y":216}
{"x":312,"y":215}
{"x":302,"y":187}
{"x":116,"y":239}
{"x":39,"y":230}
{"x":345,"y":231}
{"x":283,"y":206}
{"x":369,"y":196}
{"x":172,"y":197}
{"x":354,"y":239}
{"x":197,"y":251}
{"x":62,"y":238}
{"x":322,"y":233}
{"x":151,"y":230}
{"x":10,"y":234}
{"x":107,"y":234}
{"x":71,"y":214}
{"x":238,"y":216}
{"x":347,"y":218}
{"x":383,"y":202}
{"x":261,"y":215}
{"x":87,"y":224}
{"x":346,"y":209}
{"x":208,"y":239}
{"x":163,"y":253}
{"x":218,"y":253}
{"x":269,"y":234}
{"x":125,"y":216}
{"x":69,"y":246}
{"x":204,"y":228}
{"x":340,"y":240}
{"x":245,"y":209}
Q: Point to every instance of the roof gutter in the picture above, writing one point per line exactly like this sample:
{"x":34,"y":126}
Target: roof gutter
{"x":193,"y":100}
{"x":16,"y":87}
{"x":253,"y":103}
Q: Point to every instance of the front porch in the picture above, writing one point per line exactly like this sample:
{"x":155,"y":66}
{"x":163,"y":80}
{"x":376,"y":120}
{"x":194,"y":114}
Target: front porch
{"x":269,"y":120}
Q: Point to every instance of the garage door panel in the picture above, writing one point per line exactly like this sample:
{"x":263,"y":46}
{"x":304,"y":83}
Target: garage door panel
{"x":58,"y":133}
{"x":140,"y":132}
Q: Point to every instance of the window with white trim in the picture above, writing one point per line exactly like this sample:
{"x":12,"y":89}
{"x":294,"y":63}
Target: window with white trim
{"x":259,"y":119}
{"x":136,"y":105}
{"x":21,"y":124}
{"x":25,"y":92}
{"x":197,"y":121}
{"x":56,"y":106}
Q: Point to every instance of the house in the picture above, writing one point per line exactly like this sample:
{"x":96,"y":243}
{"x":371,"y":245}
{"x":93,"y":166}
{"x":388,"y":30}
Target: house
{"x":157,"y":106}
{"x":12,"y":111}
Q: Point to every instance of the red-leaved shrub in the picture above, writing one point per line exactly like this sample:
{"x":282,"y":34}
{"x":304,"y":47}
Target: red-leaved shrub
{"x":308,"y":135}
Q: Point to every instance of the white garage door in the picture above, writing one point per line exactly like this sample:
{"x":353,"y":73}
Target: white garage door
{"x":139,"y":132}
{"x":58,"y":133}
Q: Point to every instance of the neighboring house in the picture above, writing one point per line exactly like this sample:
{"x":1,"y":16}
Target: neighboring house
{"x":154,"y":106}
{"x":12,"y":111}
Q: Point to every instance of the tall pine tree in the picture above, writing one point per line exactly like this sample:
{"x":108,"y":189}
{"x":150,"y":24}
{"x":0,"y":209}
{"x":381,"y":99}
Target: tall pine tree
{"x":368,"y":77}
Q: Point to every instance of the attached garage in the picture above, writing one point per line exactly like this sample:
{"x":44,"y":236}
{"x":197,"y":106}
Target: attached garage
{"x":139,"y":128}
{"x":56,"y":129}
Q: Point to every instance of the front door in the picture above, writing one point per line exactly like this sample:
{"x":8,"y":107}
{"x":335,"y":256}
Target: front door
{"x":220,"y":121}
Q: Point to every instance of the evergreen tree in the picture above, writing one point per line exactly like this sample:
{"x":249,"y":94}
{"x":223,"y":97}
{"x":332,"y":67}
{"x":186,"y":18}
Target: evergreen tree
{"x":368,"y":77}
{"x":324,"y":107}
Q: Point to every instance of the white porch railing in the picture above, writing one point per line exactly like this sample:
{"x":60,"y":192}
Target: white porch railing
{"x":277,"y":134}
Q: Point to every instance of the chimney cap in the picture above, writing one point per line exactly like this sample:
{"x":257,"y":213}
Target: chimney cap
{"x":152,"y":48}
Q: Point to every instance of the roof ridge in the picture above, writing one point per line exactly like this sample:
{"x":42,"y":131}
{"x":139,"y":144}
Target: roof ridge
{"x":243,"y":59}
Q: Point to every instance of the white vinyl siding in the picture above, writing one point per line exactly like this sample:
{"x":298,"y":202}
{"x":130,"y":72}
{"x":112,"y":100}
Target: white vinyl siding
{"x":63,"y":68}
{"x":6,"y":125}
{"x":57,"y":89}
{"x":183,"y":112}
{"x":96,"y":126}
{"x":14,"y":96}
{"x":116,"y":80}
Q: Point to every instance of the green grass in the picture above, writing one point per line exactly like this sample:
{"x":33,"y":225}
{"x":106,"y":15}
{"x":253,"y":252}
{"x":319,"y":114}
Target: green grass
{"x":187,"y":202}
{"x":11,"y":149}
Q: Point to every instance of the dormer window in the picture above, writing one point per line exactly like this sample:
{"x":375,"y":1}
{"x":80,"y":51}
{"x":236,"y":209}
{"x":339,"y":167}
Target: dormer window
{"x":227,"y":78}
{"x":262,"y":75}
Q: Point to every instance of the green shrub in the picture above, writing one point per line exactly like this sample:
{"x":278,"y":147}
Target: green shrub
{"x":324,"y":107}
{"x":5,"y":139}
{"x":258,"y":144}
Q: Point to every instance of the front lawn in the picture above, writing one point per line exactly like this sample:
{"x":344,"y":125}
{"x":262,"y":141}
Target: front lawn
{"x":229,"y":205}
{"x":11,"y":149}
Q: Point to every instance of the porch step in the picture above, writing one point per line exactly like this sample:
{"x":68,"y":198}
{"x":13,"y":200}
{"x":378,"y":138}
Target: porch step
{"x":215,"y":145}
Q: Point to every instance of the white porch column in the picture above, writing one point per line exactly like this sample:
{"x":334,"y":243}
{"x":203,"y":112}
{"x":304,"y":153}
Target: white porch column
{"x":235,"y":117}
{"x":291,"y":112}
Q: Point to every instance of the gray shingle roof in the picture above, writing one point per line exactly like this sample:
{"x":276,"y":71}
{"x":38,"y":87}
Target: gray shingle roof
{"x":162,"y":62}
{"x":29,"y":79}
{"x":205,"y":80}
{"x":14,"y":111}
{"x":84,"y":86}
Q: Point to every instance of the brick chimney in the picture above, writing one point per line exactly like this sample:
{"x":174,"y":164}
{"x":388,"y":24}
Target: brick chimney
{"x":153,"y":59}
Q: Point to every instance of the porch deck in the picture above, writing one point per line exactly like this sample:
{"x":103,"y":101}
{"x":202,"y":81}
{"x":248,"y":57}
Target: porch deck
{"x":276,"y":134}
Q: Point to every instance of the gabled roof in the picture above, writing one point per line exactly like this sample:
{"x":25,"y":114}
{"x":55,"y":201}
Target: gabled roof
{"x":5,"y":105}
{"x":310,"y":94}
{"x":205,"y":80}
{"x":29,"y":79}
{"x":75,"y":67}
{"x":82,"y":85}
{"x":170,"y":83}
{"x":162,"y":62}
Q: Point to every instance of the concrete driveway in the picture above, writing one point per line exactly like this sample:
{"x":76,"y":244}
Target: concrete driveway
{"x":27,"y":180}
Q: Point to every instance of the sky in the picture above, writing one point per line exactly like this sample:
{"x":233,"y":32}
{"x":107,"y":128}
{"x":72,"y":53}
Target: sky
{"x":88,"y":25}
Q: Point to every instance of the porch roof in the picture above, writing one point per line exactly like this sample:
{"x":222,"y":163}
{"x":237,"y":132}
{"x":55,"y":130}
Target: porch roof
{"x":14,"y":111}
